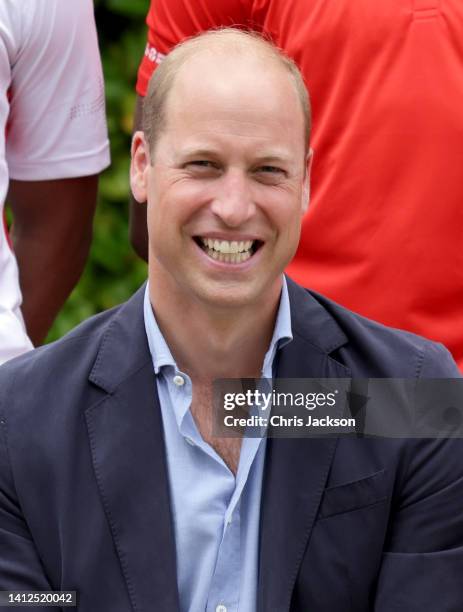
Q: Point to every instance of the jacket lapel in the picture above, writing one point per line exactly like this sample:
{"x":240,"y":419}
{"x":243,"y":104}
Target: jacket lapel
{"x":296,"y":469}
{"x":128,"y":452}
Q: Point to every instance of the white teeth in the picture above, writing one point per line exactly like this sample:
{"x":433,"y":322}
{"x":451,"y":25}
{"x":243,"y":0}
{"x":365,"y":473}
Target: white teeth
{"x":233,"y":252}
{"x":232,"y":258}
{"x":226,"y":247}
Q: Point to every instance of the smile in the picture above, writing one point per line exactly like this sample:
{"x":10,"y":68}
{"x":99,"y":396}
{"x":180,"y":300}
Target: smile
{"x":226,"y":251}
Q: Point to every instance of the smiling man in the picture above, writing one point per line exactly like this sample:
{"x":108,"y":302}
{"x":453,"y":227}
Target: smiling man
{"x":226,"y":174}
{"x":111,"y":480}
{"x":225,"y":177}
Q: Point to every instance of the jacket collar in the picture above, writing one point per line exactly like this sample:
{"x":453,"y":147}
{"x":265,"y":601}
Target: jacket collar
{"x":311,"y":320}
{"x":124,"y":348}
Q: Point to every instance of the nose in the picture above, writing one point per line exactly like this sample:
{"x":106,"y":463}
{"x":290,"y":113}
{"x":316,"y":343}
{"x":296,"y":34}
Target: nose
{"x":234,"y":203}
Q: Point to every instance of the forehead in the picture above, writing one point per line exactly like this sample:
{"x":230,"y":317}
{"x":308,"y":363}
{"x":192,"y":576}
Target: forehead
{"x":248,"y":95}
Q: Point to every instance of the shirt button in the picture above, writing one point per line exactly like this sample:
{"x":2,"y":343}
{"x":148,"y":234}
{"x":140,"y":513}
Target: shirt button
{"x":221,"y":608}
{"x":178,"y":380}
{"x":190,"y":441}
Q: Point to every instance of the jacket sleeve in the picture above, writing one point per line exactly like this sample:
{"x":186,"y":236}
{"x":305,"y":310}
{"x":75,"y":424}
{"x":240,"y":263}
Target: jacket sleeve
{"x":20,"y":564}
{"x":422,"y":564}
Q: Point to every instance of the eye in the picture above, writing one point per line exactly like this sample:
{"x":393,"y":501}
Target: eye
{"x":270,"y":175}
{"x":201,"y":163}
{"x":202,"y":168}
{"x":270,"y":169}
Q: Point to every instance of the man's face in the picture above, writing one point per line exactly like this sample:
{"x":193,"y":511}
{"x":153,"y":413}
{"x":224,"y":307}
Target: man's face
{"x":225,"y":187}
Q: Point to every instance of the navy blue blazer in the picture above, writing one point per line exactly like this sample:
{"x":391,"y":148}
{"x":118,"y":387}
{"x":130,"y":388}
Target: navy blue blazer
{"x":346,"y":524}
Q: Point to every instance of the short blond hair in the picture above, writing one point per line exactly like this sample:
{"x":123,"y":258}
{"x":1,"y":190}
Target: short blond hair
{"x":163,"y":78}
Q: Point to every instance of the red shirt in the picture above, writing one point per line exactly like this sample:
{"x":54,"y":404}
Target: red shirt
{"x":384,"y":231}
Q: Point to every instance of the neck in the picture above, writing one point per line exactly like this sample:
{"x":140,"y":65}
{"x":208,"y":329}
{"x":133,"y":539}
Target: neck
{"x":211,"y":342}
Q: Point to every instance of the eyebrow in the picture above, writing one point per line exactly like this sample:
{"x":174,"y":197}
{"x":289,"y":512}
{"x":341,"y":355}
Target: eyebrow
{"x":273,"y":158}
{"x":199,"y":152}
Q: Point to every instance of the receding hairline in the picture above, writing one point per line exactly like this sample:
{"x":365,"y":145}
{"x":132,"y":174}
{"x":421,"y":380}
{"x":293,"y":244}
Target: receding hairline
{"x":223,"y":39}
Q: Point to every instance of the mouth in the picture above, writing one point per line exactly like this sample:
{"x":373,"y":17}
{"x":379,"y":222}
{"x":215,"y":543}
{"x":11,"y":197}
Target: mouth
{"x":232,"y":252}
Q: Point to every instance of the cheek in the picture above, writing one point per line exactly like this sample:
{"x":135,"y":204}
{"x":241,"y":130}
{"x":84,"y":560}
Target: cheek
{"x":284,"y":212}
{"x":177,"y":202}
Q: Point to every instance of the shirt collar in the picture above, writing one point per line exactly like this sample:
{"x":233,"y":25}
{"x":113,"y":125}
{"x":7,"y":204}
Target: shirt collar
{"x":160,"y":352}
{"x":282,"y":333}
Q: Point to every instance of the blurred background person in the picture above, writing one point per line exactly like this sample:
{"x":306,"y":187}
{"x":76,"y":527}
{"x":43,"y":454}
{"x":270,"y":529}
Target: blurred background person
{"x":384,"y":229}
{"x":54,"y":143}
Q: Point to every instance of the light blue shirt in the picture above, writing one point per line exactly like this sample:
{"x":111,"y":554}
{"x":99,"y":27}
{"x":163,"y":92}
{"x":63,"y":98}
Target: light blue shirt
{"x":216,"y":516}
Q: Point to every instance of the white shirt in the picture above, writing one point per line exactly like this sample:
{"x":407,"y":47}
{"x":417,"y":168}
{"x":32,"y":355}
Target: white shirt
{"x":52,"y":113}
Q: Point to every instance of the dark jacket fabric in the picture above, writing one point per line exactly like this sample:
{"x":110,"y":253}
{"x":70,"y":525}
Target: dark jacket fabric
{"x":347,"y":524}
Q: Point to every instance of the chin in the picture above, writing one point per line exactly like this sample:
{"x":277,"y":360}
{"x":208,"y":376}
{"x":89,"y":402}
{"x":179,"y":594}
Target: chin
{"x":233,"y":295}
{"x":226,"y":299}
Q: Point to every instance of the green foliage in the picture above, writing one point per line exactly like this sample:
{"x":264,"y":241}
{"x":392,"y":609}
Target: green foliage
{"x":128,"y":8}
{"x":113,"y":271}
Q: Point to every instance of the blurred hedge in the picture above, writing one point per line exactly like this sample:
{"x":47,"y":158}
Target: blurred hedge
{"x":113,"y":271}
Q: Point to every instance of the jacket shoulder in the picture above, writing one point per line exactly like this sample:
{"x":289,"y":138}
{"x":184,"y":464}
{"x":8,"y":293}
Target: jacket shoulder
{"x":36,"y":371}
{"x":374,"y":349}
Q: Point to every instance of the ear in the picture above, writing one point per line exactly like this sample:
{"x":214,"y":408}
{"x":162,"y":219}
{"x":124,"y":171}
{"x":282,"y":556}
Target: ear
{"x":306,"y":187}
{"x":139,"y":167}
